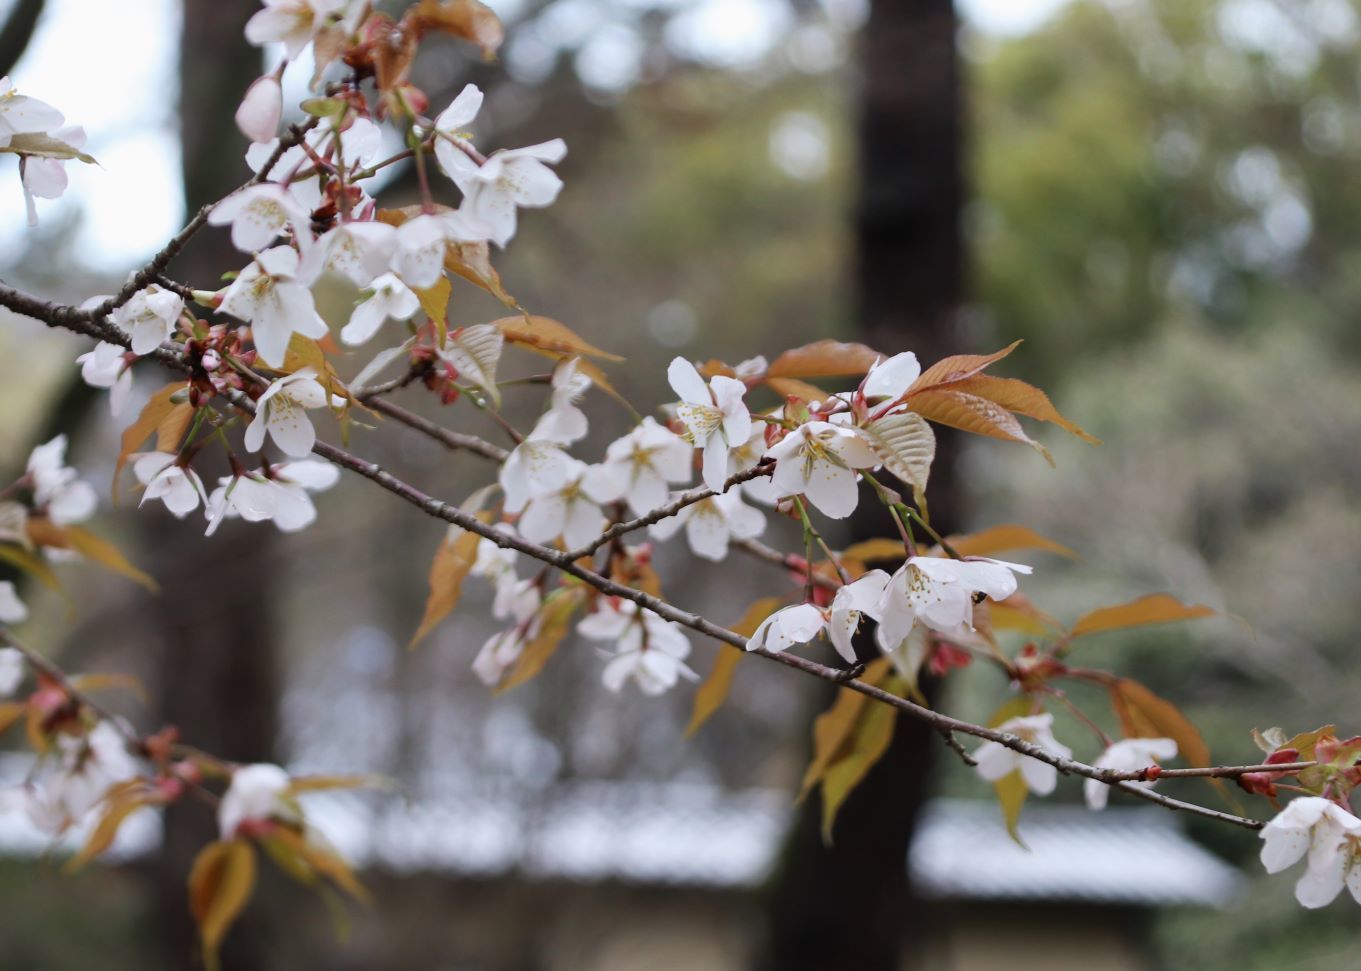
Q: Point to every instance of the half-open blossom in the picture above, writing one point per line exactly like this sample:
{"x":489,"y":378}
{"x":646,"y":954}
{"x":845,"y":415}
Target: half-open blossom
{"x":258,"y":793}
{"x":22,"y":115}
{"x":639,"y":467}
{"x":996,"y":761}
{"x":107,"y":367}
{"x":505,"y":182}
{"x":292,"y":23}
{"x":450,"y":128}
{"x":534,"y":468}
{"x":358,"y":251}
{"x":854,"y":600}
{"x":390,"y":299}
{"x":564,"y":422}
{"x":650,"y":650}
{"x":783,"y":629}
{"x":268,"y":295}
{"x":711,"y":524}
{"x":258,"y":214}
{"x":569,"y":511}
{"x":499,"y":652}
{"x":164,"y":478}
{"x":282,"y":497}
{"x":716,"y":418}
{"x":1328,"y":835}
{"x":261,"y":109}
{"x":940,"y":594}
{"x":818,"y":460}
{"x":12,"y":669}
{"x":57,"y":489}
{"x":45,"y":178}
{"x":1127,"y":755}
{"x":12,"y":609}
{"x":281,"y":411}
{"x":149,"y":317}
{"x":888,"y":380}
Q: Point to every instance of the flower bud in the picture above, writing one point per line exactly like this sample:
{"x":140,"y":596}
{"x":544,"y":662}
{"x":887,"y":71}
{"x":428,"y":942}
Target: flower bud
{"x":261,"y":109}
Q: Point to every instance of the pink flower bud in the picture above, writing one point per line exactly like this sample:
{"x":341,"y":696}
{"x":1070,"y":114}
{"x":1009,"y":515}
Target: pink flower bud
{"x":261,"y":108}
{"x":211,"y":360}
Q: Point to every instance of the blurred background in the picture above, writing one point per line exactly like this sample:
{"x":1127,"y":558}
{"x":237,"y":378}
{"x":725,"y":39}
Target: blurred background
{"x":1158,"y":196}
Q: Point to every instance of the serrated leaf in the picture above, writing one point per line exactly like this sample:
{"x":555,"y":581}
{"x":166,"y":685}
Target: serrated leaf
{"x":549,"y":336}
{"x":435,"y":303}
{"x":906,"y":445}
{"x":957,"y":368}
{"x":45,"y":146}
{"x":306,"y":352}
{"x":554,"y":617}
{"x":170,"y":432}
{"x":1143,"y":714}
{"x":998,"y":539}
{"x":475,"y":352}
{"x":472,"y":262}
{"x":833,"y":728}
{"x":14,"y":524}
{"x":155,"y":411}
{"x":1022,"y":398}
{"x":1156,"y":608}
{"x":796,"y":388}
{"x":220,"y":885}
{"x":823,"y":359}
{"x":971,"y":413}
{"x":872,"y":736}
{"x":453,"y":560}
{"x":712,"y":693}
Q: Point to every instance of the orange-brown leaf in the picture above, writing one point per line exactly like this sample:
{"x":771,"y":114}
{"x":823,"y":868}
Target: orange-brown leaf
{"x":155,"y":411}
{"x":712,"y":693}
{"x":1143,"y":714}
{"x":796,"y":388}
{"x":957,"y":368}
{"x":170,"y":432}
{"x":1157,"y":608}
{"x":117,"y":808}
{"x":870,"y":740}
{"x":472,"y":261}
{"x":220,"y":885}
{"x":997,"y":539}
{"x":823,"y":359}
{"x":971,"y":413}
{"x":834,"y":728}
{"x":555,"y":616}
{"x":546,"y":335}
{"x":101,"y":551}
{"x":453,"y":560}
{"x":1024,"y":399}
{"x":465,"y":19}
{"x":21,"y":558}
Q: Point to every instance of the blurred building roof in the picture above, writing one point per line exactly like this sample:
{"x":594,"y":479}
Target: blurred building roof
{"x":676,"y":834}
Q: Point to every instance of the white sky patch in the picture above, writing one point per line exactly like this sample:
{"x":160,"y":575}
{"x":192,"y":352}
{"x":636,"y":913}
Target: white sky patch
{"x":1008,"y":17}
{"x":111,"y":68}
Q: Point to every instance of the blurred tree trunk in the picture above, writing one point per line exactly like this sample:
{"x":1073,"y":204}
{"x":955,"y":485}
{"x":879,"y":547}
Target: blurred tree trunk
{"x":850,"y":906}
{"x":218,"y":649}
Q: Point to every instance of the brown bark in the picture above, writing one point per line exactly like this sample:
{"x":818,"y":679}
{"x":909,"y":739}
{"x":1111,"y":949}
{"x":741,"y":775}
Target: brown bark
{"x":850,"y":905}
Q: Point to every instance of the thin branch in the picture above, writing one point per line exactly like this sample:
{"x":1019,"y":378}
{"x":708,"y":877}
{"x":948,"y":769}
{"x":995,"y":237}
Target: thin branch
{"x":451,"y":439}
{"x":50,"y":671}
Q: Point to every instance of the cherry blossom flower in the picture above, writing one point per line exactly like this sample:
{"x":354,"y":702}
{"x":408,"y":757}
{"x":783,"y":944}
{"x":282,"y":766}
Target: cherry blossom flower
{"x":1127,"y":755}
{"x":261,"y":109}
{"x":564,"y":422}
{"x":268,"y":295}
{"x":711,"y":524}
{"x":149,"y":318}
{"x":58,"y":490}
{"x":853,"y":601}
{"x":258,"y":793}
{"x":358,"y":251}
{"x":996,"y":761}
{"x":390,"y":299}
{"x":12,"y":609}
{"x":12,"y":669}
{"x":179,"y":487}
{"x":569,"y":511}
{"x":419,"y":254}
{"x":651,"y":650}
{"x":449,"y":132}
{"x":281,"y":411}
{"x":940,"y":594}
{"x":534,"y":468}
{"x":783,"y":629}
{"x":292,"y":22}
{"x":22,"y":115}
{"x":107,"y":366}
{"x":281,"y":497}
{"x":259,"y":213}
{"x":515,"y":598}
{"x":86,"y":768}
{"x":888,"y":380}
{"x":46,"y":178}
{"x":1328,"y":835}
{"x":639,"y":467}
{"x":500,"y":651}
{"x":818,"y":460}
{"x":715,"y":417}
{"x":508,"y":180}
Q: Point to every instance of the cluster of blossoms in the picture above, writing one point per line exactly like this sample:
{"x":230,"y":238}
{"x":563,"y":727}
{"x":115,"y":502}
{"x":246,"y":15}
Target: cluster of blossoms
{"x":257,"y":361}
